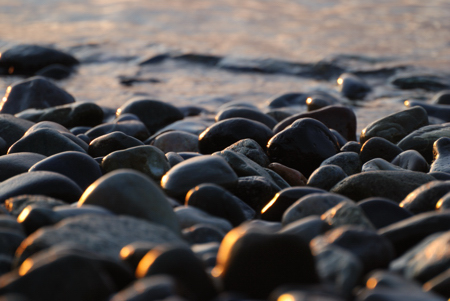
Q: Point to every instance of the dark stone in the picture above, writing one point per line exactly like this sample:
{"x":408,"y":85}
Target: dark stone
{"x":10,"y":240}
{"x":440,"y":176}
{"x":340,"y":140}
{"x":189,"y":216}
{"x":55,"y":71}
{"x":441,"y":152}
{"x":442,"y":97}
{"x":433,"y":110}
{"x":195,"y":171}
{"x":189,"y":111}
{"x":353,"y":87}
{"x":77,"y":166}
{"x":35,"y":92}
{"x":252,"y":150}
{"x":291,"y":176}
{"x":340,"y":118}
{"x":202,"y":234}
{"x":256,"y":262}
{"x":133,"y":128}
{"x":439,"y":284}
{"x":351,"y":146}
{"x":288,"y":100}
{"x":394,"y":185}
{"x":133,"y":253}
{"x":226,"y":132}
{"x":41,"y":182}
{"x":13,"y":164}
{"x":154,"y":114}
{"x":411,"y":160}
{"x":348,"y":161}
{"x":408,"y":232}
{"x":176,"y":141}
{"x":26,"y":59}
{"x":307,"y":228}
{"x":219,"y":202}
{"x":383,"y":212}
{"x":319,"y":100}
{"x":16,"y":204}
{"x":326,"y":176}
{"x":256,"y":191}
{"x":246,"y":113}
{"x":111,"y":142}
{"x":182,"y":264}
{"x":347,"y":213}
{"x":193,"y":126}
{"x":69,"y":115}
{"x":173,"y":158}
{"x":425,"y":197}
{"x":34,"y":217}
{"x":80,"y":130}
{"x":396,"y":126}
{"x":279,"y":114}
{"x":303,"y":146}
{"x":378,"y":164}
{"x":378,"y":147}
{"x":46,"y":142}
{"x":420,"y":81}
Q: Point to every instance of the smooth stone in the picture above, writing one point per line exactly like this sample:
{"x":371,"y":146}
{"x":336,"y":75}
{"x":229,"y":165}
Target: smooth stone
{"x":36,"y":92}
{"x":425,"y":197}
{"x":316,"y":101}
{"x":311,"y":204}
{"x":77,"y":166}
{"x":173,"y":158}
{"x":72,"y":273}
{"x":108,"y":143}
{"x":176,"y":141}
{"x":195,"y":171}
{"x":387,"y":286}
{"x":291,"y":176}
{"x":422,"y":140}
{"x":347,"y":213}
{"x":46,"y":142}
{"x":217,"y":201}
{"x":16,"y":204}
{"x":326,"y":176}
{"x":10,"y":240}
{"x":188,"y":155}
{"x":383,"y":212}
{"x":353,"y":87}
{"x":102,"y":234}
{"x":442,"y":97}
{"x":441,"y":153}
{"x":126,"y":117}
{"x":201,"y":234}
{"x":279,"y":114}
{"x":13,"y":128}
{"x":27,"y":59}
{"x":411,"y":160}
{"x":133,"y":128}
{"x":279,"y":181}
{"x":306,"y":228}
{"x":47,"y":125}
{"x":252,"y":150}
{"x":40,"y":182}
{"x":247,"y":113}
{"x":379,"y":164}
{"x":351,"y":146}
{"x":410,"y":231}
{"x":340,"y":118}
{"x":193,"y":125}
{"x":226,"y":132}
{"x":154,"y":114}
{"x":10,"y":223}
{"x":147,"y":159}
{"x":420,"y":81}
{"x":378,"y":147}
{"x":439,"y":284}
{"x":274,"y":210}
{"x":304,"y":293}
{"x":192,"y":110}
{"x":55,"y":71}
{"x":396,"y":126}
{"x":32,"y":218}
{"x":348,"y":161}
{"x":303,"y":145}
{"x":427,"y":260}
{"x":256,"y":262}
{"x":129,"y":192}
{"x":132,"y":253}
{"x":340,"y":140}
{"x":69,"y":115}
{"x":443,"y":203}
{"x":287,"y":100}
{"x":337,"y":266}
{"x":14,"y":164}
{"x":182,"y":264}
{"x":441,"y":112}
{"x":189,"y":216}
{"x":255,"y":191}
{"x":394,"y":185}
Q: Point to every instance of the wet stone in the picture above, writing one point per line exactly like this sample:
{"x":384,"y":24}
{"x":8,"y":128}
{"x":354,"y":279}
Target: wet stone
{"x":326,"y":176}
{"x":145,"y":158}
{"x":13,"y":164}
{"x":255,"y":191}
{"x":226,"y":132}
{"x":247,"y":113}
{"x":420,"y":81}
{"x":316,"y":101}
{"x":411,"y":160}
{"x":434,"y":111}
{"x":383,"y":212}
{"x":378,"y":147}
{"x":173,"y":158}
{"x":133,"y":128}
{"x":425,"y":197}
{"x":252,"y":150}
{"x":176,"y":141}
{"x":348,"y":161}
{"x":353,"y":87}
{"x":111,"y":142}
{"x":303,"y":145}
{"x":35,"y":92}
{"x":396,"y":126}
{"x":55,"y":71}
{"x":351,"y":146}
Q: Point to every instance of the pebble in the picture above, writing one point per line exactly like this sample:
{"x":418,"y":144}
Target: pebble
{"x":14,"y":164}
{"x":444,"y":202}
{"x":420,"y":81}
{"x":291,"y":176}
{"x":15,"y":205}
{"x":255,"y":191}
{"x":189,"y":216}
{"x":316,"y":101}
{"x":326,"y":176}
{"x":252,"y":150}
{"x":306,"y":228}
{"x":287,"y":100}
{"x":439,"y":284}
{"x":347,"y":213}
{"x":35,"y":92}
{"x":303,"y":145}
{"x":411,"y":160}
{"x":441,"y":152}
{"x":247,"y":113}
{"x":340,"y":118}
{"x":425,"y":197}
{"x":129,"y":192}
{"x":202,"y":234}
{"x":378,"y":147}
{"x":133,"y":128}
{"x":176,"y":141}
{"x":349,"y":162}
{"x":383,"y":212}
{"x":441,"y":112}
{"x":396,"y":126}
{"x":55,"y":71}
{"x":442,"y":97}
{"x":379,"y":164}
{"x":108,"y":143}
{"x":158,"y":287}
{"x":353,"y":87}
{"x":146,"y":159}
{"x":226,"y":132}
{"x":173,"y":158}
{"x":351,"y":146}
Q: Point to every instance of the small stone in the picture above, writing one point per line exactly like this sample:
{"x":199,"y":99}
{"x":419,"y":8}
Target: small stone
{"x":378,"y":164}
{"x":133,"y":128}
{"x":226,"y":132}
{"x":176,"y":141}
{"x":12,"y":128}
{"x":383,"y":212}
{"x":420,"y":81}
{"x":318,"y":101}
{"x":189,"y":216}
{"x":202,"y":234}
{"x":378,"y":147}
{"x":411,"y":160}
{"x":351,"y":146}
{"x":55,"y":71}
{"x":434,"y":111}
{"x":425,"y":197}
{"x":288,"y":100}
{"x":173,"y":158}
{"x":145,"y":158}
{"x":306,"y":228}
{"x":443,"y":203}
{"x":194,"y":126}
{"x":348,"y":161}
{"x":291,"y":176}
{"x":347,"y":213}
{"x":247,"y":113}
{"x":252,"y":150}
{"x":441,"y":152}
{"x":111,"y":142}
{"x":35,"y":92}
{"x":326,"y":176}
{"x":255,"y":191}
{"x":16,"y":204}
{"x":14,"y":164}
{"x":353,"y":87}
{"x":442,"y":97}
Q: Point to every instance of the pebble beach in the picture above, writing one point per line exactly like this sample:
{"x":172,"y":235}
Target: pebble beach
{"x":224,"y":151}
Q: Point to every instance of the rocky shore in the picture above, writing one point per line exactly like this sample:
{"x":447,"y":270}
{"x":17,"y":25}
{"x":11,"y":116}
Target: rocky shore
{"x":151,"y":201}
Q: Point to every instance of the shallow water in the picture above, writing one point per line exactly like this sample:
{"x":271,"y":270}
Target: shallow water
{"x":111,"y":37}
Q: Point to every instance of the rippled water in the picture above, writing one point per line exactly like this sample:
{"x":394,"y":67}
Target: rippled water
{"x":111,"y":37}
